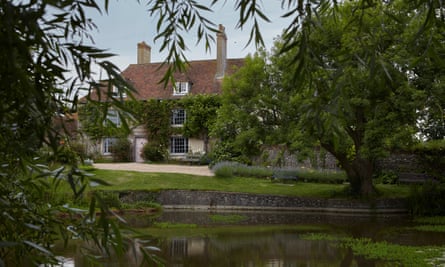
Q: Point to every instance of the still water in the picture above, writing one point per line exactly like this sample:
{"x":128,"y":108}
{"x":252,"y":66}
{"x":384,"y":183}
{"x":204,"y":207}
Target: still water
{"x":260,"y":239}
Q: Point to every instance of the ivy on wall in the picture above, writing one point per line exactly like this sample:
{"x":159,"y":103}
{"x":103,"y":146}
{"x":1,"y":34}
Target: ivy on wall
{"x":155,"y":116}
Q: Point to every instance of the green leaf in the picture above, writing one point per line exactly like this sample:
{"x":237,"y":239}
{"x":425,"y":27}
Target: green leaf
{"x":38,"y":247}
{"x":99,"y":181}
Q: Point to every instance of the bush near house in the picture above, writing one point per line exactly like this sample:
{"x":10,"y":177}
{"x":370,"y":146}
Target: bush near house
{"x":121,"y":150}
{"x":153,"y":151}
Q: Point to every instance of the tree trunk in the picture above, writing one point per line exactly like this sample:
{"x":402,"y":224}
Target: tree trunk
{"x":360,"y":172}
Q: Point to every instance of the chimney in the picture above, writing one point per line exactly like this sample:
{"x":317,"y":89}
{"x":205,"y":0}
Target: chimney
{"x":221,"y":52}
{"x":144,"y":53}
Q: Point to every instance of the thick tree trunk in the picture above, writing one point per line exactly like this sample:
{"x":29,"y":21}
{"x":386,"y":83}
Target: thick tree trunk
{"x":360,"y":172}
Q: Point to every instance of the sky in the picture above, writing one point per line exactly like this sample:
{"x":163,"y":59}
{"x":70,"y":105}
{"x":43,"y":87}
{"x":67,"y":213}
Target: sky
{"x":128,"y":23}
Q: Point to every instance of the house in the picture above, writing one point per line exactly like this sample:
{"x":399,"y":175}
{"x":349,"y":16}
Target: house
{"x":200,"y":77}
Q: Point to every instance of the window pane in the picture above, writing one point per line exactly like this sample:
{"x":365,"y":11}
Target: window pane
{"x":113,"y":116}
{"x":108,"y":145}
{"x":178,"y":117}
{"x":181,"y":88}
{"x":178,"y":145}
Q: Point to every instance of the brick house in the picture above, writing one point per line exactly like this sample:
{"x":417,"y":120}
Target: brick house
{"x":200,"y":77}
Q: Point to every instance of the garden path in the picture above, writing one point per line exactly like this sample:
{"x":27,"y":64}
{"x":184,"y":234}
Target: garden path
{"x":144,"y":167}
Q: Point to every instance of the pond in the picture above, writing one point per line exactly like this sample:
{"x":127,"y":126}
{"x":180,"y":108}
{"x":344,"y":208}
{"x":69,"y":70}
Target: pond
{"x":202,"y":238}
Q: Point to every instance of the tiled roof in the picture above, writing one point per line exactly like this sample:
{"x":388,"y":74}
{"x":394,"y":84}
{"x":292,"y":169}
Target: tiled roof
{"x":145,"y":78}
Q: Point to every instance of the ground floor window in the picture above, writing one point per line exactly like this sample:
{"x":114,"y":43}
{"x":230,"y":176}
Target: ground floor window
{"x":179,"y":145}
{"x":108,"y":145}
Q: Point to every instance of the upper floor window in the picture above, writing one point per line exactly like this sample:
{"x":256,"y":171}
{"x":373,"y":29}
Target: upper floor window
{"x":116,"y":93}
{"x":178,"y":117}
{"x":113,"y":117}
{"x":181,"y":88}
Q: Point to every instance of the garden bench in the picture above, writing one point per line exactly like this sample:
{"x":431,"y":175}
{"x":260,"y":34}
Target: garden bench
{"x":192,"y":158}
{"x":284,"y":176}
{"x":414,"y":178}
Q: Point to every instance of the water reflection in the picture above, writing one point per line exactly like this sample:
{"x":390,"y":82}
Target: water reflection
{"x":280,"y":247}
{"x":273,"y":249}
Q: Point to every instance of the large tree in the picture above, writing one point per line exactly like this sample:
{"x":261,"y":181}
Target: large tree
{"x":352,"y":83}
{"x":359,"y":97}
{"x":354,"y":96}
{"x":255,"y":110}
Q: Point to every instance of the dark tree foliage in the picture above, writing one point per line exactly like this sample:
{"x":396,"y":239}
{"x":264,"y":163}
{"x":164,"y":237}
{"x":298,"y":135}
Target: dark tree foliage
{"x":46,"y":64}
{"x":356,"y":80}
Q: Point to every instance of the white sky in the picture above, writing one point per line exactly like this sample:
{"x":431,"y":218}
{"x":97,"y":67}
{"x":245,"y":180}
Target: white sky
{"x":128,"y":23}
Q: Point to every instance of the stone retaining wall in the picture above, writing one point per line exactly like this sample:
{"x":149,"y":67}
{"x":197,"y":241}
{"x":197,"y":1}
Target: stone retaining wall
{"x":184,"y":199}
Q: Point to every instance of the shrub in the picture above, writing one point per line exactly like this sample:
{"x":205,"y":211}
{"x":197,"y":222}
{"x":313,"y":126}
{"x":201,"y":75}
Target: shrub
{"x":224,"y":169}
{"x":325,"y":177}
{"x":229,"y":169}
{"x":80,"y":149}
{"x":387,"y":177}
{"x":65,"y":154}
{"x":153,"y":152}
{"x":254,"y":171}
{"x":432,"y":157}
{"x":280,"y":173}
{"x":427,"y":200}
{"x":122,"y":150}
{"x":227,"y":152}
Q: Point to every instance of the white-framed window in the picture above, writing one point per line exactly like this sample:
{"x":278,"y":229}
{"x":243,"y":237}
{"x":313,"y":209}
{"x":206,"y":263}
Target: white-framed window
{"x":181,"y":88}
{"x":115,"y":92}
{"x":113,"y":117}
{"x":179,"y":145}
{"x":108,"y":145}
{"x":178,"y":117}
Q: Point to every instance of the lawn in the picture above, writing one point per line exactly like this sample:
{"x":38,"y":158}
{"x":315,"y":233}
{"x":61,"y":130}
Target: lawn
{"x":129,"y":180}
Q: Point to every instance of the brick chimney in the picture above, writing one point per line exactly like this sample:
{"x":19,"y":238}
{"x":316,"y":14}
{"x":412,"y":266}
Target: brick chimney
{"x":221,"y":52}
{"x":144,"y":53}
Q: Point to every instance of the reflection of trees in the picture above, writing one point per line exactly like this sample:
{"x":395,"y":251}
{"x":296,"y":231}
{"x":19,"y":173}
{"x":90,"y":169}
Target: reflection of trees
{"x":279,"y":249}
{"x":88,"y":254}
{"x":275,"y":249}
{"x":347,"y":258}
{"x":350,"y":260}
{"x":258,"y":249}
{"x":271,"y":249}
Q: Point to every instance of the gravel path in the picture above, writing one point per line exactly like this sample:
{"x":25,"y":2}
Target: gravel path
{"x":144,"y":167}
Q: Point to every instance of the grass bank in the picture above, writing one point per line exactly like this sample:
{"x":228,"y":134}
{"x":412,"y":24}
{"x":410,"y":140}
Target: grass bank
{"x":195,"y":231}
{"x":129,"y":180}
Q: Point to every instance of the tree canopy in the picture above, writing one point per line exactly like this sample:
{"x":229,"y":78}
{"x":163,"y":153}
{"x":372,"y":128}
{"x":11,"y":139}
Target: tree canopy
{"x":354,"y":83}
{"x":255,"y":110}
{"x":356,"y":98}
